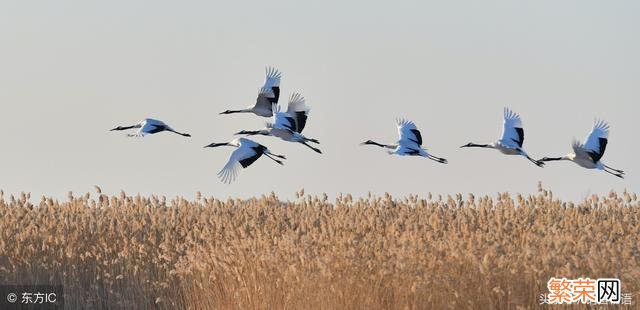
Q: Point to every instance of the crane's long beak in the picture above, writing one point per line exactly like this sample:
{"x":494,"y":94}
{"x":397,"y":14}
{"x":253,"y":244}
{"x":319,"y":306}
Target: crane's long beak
{"x":216,"y":144}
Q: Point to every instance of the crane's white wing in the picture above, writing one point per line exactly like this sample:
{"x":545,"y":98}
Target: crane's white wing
{"x":269,"y":93}
{"x":272,"y":78}
{"x":408,"y":133}
{"x":242,"y":157}
{"x":512,"y":132}
{"x":408,"y":150}
{"x":265,"y":102}
{"x":151,"y":126}
{"x":271,"y":88}
{"x":244,"y":142}
{"x":298,"y":110}
{"x":154,"y":122}
{"x":284,"y":121}
{"x":579,"y":150}
{"x":229,"y":172}
{"x":596,"y":142}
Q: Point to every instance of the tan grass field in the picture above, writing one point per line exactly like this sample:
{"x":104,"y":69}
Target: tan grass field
{"x":456,"y":252}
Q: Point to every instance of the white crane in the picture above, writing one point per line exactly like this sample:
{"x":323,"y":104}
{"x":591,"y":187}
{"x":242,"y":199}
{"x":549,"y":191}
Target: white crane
{"x":589,"y":153}
{"x":409,"y":144}
{"x":288,"y":125}
{"x":149,"y":126}
{"x":248,"y":152}
{"x":268,"y":95}
{"x":512,"y":138}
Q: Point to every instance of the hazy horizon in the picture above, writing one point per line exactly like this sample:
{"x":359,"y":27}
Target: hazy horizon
{"x":72,"y":70}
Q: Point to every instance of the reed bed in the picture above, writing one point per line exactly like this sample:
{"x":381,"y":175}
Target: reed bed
{"x":432,"y":252}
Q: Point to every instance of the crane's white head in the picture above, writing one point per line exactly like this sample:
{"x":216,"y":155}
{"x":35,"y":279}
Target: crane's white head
{"x":236,"y":141}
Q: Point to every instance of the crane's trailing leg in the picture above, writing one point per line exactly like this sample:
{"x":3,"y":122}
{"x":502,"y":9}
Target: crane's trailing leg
{"x":312,"y":140}
{"x":311,"y":147}
{"x":616,"y":170}
{"x":180,"y":133}
{"x":276,"y":155}
{"x":278,"y":161}
{"x":438,"y":159}
{"x":538,"y":163}
{"x":615,"y":173}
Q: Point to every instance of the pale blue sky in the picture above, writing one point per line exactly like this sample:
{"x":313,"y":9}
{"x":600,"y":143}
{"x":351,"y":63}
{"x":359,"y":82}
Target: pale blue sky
{"x":71,"y":70}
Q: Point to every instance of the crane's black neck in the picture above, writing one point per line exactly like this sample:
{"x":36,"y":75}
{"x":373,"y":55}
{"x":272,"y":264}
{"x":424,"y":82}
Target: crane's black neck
{"x":552,"y":158}
{"x":234,"y":111}
{"x":124,"y":127}
{"x":475,"y":145}
{"x":217,"y":144}
{"x":253,"y":132}
{"x":371,"y":142}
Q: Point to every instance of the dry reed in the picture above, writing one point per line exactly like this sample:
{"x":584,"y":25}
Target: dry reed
{"x":374,"y":252}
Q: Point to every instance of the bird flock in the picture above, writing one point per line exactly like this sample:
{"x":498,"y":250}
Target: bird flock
{"x":288,"y":126}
